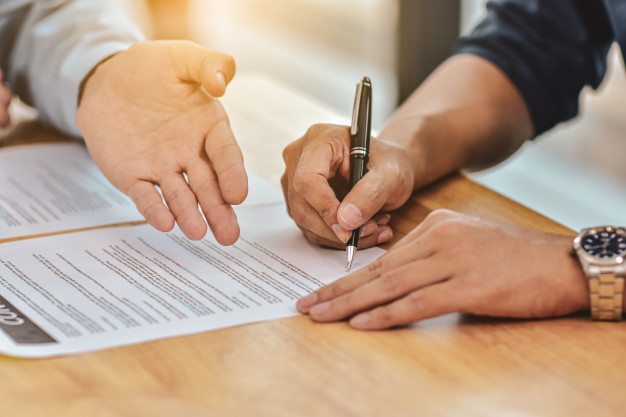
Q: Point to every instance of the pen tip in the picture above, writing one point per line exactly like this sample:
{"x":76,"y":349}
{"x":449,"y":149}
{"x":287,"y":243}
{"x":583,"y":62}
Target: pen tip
{"x":350,"y":250}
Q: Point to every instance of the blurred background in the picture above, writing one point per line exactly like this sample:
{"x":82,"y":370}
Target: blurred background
{"x":320,"y":48}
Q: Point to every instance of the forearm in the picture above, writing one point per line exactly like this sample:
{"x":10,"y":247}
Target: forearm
{"x":55,"y":45}
{"x":467,"y":114}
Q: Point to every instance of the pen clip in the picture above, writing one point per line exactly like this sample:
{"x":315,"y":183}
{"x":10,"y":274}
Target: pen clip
{"x":355,"y":112}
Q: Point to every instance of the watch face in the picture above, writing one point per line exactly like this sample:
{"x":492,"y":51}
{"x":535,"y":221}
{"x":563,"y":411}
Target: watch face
{"x":604,"y":244}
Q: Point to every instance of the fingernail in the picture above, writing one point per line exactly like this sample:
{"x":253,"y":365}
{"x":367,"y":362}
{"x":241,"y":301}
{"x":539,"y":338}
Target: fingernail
{"x":341,"y":233}
{"x":220,"y":76}
{"x":368,"y":229}
{"x":360,"y":320}
{"x":350,"y":215}
{"x":319,"y":309}
{"x":384,"y":236}
{"x":306,"y":302}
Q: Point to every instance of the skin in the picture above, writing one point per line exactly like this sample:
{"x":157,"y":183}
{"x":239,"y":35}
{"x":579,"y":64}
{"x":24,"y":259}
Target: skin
{"x":467,"y":114}
{"x":5,"y":99}
{"x":150,"y":116}
{"x":316,"y":180}
{"x":416,"y":280}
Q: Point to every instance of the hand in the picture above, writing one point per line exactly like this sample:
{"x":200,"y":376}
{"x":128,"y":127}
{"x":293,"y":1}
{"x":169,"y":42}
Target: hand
{"x":150,"y":117}
{"x":5,"y":100}
{"x":315,"y":184}
{"x":456,"y":263}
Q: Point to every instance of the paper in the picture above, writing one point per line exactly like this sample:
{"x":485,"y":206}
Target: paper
{"x":96,"y":289}
{"x":109,"y":287}
{"x":55,"y":187}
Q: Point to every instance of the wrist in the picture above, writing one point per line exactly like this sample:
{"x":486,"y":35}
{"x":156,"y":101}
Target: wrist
{"x":428,"y":145}
{"x":83,"y":84}
{"x":575,"y":270}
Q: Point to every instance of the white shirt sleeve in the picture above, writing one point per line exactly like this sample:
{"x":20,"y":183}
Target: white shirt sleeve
{"x":47,"y":47}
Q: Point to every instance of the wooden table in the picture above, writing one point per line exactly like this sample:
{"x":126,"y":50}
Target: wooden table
{"x":454,"y":365}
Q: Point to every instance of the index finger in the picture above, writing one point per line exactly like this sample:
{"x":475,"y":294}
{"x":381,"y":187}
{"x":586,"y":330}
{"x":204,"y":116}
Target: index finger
{"x":321,"y":161}
{"x":393,"y":259}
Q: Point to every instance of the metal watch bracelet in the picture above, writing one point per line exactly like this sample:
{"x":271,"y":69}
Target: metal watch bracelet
{"x":606,"y":292}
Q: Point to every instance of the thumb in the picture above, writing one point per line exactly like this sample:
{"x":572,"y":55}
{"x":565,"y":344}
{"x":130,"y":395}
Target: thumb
{"x":213,"y":70}
{"x":365,"y":199}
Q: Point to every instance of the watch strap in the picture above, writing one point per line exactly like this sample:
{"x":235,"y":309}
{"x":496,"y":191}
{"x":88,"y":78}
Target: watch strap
{"x":606,"y":293}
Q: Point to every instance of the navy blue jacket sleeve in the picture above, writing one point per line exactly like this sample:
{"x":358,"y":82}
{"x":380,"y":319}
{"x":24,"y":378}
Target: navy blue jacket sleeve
{"x":549,"y":49}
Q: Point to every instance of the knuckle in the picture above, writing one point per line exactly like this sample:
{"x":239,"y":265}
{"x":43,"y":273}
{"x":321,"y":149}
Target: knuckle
{"x":334,"y":132}
{"x":416,"y":300}
{"x":389,"y":282}
{"x":300,"y":182}
{"x":383,"y":317}
{"x":376,"y":267}
{"x":317,"y":129}
{"x":440,"y":214}
{"x":330,"y":291}
{"x":175,"y":196}
{"x":350,"y":301}
{"x":301,"y":185}
{"x":338,"y":140}
{"x":223,"y":150}
{"x":314,"y":129}
{"x":327,"y":213}
{"x":309,"y":184}
{"x":416,"y":306}
{"x":151,"y":210}
{"x":445,"y":229}
{"x":289,"y":151}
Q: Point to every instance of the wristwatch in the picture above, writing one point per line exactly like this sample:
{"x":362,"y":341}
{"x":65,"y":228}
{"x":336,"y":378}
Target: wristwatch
{"x":601,"y":251}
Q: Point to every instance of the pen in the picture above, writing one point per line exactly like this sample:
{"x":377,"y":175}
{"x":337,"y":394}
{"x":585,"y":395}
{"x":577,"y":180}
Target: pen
{"x":359,"y":147}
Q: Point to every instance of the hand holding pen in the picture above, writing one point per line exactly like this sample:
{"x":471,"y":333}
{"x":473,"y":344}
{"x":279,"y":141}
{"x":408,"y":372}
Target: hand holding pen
{"x":360,"y":132}
{"x":317,"y":188}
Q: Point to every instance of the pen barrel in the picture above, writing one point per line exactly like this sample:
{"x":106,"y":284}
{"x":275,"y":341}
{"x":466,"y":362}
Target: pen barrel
{"x":354,"y":238}
{"x":358,"y":167}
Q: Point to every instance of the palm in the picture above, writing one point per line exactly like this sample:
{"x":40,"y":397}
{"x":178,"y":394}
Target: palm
{"x":155,"y":128}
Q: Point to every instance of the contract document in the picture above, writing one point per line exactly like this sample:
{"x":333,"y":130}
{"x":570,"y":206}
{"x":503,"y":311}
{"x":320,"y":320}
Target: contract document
{"x":102,"y":288}
{"x":56,"y":187}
